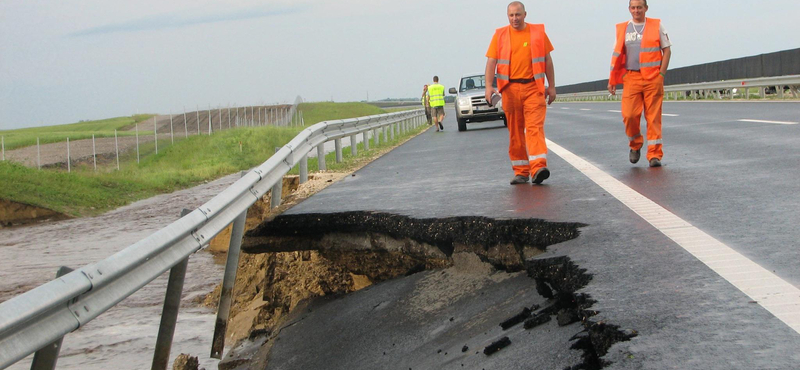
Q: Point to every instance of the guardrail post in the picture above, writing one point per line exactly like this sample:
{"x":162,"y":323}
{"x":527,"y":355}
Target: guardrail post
{"x":46,"y":357}
{"x":226,"y":295}
{"x":353,"y":145}
{"x":391,"y":130}
{"x":366,"y":140}
{"x":169,"y":314}
{"x":376,"y":136}
{"x":303,"y":169}
{"x":321,"y":157}
{"x":780,"y":91}
{"x":385,"y":130}
{"x":338,"y":144}
{"x":277,"y":189}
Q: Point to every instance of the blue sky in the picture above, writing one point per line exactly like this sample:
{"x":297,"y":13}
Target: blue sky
{"x":65,"y":61}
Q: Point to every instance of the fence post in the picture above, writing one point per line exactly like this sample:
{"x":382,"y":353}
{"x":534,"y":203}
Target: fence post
{"x":46,"y":357}
{"x":226,"y":295}
{"x":69,"y":168}
{"x":137,"y":143}
{"x":116,"y":147}
{"x":169,"y":314}
{"x":171,"y":129}
{"x":304,"y":169}
{"x":3,"y":141}
{"x":353,"y":145}
{"x":38,"y":155}
{"x":155,"y":132}
{"x":338,"y":144}
{"x":94,"y":154}
{"x":321,"y":157}
{"x":209,"y":119}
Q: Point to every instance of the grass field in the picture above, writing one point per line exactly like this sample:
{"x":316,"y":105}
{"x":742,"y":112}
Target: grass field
{"x":84,"y":192}
{"x":75,"y":131}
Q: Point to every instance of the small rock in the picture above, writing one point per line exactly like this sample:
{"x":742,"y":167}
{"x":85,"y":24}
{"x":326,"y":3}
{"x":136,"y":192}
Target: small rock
{"x":185,"y":362}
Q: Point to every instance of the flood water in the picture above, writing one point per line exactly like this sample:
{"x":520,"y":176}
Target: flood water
{"x":124,"y":337}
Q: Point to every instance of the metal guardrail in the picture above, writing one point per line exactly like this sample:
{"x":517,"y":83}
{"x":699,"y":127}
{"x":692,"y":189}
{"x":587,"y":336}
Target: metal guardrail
{"x":673,"y":90}
{"x":43,"y":315}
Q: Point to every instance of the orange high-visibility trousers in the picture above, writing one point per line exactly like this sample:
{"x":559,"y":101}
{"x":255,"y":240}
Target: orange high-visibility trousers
{"x":525,"y":110}
{"x":641,"y":94}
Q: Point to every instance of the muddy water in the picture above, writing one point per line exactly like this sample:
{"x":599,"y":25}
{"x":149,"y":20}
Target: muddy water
{"x":124,"y":337}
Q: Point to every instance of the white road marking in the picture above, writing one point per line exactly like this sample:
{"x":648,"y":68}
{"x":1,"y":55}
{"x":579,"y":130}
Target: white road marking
{"x":762,"y":286}
{"x":615,"y":111}
{"x":763,"y":121}
{"x":584,"y":109}
{"x":564,"y":108}
{"x":670,"y":115}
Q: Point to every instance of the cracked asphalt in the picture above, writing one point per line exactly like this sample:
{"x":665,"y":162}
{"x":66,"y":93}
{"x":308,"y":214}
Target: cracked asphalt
{"x":735,"y":180}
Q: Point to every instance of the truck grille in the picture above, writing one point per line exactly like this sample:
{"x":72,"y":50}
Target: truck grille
{"x":479,"y":104}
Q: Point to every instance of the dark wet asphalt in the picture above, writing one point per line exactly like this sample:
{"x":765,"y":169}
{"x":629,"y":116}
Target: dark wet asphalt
{"x":736,"y":181}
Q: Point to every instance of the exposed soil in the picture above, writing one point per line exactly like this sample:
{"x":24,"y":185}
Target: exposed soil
{"x":15,"y":214}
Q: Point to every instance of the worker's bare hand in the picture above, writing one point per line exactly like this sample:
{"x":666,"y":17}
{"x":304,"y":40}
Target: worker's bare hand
{"x":612,"y":89}
{"x":488,"y":94}
{"x":551,"y":94}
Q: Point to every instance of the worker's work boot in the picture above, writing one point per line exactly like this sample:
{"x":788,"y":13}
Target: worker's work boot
{"x":519,"y":179}
{"x":540,"y":175}
{"x":655,"y":162}
{"x":635,"y":155}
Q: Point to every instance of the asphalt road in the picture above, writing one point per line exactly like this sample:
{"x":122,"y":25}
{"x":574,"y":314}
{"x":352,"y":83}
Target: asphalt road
{"x":733,"y":181}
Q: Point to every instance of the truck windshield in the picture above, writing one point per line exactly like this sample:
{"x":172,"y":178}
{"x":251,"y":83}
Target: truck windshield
{"x":474,"y":82}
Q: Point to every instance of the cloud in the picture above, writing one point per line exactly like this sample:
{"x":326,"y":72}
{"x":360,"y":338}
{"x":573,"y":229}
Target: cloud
{"x":176,"y":20}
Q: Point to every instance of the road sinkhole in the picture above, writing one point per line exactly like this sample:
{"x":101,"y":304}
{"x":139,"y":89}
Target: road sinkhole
{"x":376,"y":246}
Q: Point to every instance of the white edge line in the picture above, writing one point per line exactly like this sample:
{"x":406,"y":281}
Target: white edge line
{"x":785,"y":293}
{"x":764,"y":121}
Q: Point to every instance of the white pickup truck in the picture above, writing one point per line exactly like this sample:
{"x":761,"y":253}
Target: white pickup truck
{"x":471,"y":103}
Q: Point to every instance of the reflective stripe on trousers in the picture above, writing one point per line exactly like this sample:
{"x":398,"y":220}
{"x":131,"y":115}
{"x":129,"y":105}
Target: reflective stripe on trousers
{"x":640,"y":94}
{"x":525,"y":109}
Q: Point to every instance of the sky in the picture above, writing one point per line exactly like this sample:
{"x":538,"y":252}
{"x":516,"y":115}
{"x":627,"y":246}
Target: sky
{"x":66,"y":61}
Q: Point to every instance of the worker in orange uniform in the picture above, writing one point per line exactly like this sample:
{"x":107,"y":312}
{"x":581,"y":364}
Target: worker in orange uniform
{"x":520,"y":54}
{"x":640,"y":61}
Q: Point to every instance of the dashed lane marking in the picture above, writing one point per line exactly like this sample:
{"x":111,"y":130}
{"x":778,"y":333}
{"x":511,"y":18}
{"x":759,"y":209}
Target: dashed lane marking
{"x":773,"y":122}
{"x":585,"y":109}
{"x":770,"y":291}
{"x":565,"y":108}
{"x":615,"y":111}
{"x":670,"y":115}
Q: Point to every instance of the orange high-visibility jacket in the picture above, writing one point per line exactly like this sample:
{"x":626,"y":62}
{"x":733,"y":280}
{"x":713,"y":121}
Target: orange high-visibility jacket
{"x":649,"y":57}
{"x":537,"y":54}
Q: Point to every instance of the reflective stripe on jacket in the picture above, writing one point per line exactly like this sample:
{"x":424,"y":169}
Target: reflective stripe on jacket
{"x":649,"y":57}
{"x":436,"y":92}
{"x":537,"y":55}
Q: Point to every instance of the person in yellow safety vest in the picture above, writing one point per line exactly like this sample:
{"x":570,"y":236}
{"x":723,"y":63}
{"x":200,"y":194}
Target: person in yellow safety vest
{"x":520,"y":53}
{"x":640,"y":61}
{"x":426,"y":102}
{"x":436,"y":93}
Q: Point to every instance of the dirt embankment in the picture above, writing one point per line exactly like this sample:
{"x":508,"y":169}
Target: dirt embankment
{"x":14,"y":214}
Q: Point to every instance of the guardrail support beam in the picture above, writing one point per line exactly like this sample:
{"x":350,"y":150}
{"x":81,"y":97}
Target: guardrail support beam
{"x":277,"y":189}
{"x":338,"y":144}
{"x":321,"y":157}
{"x":226,"y":295}
{"x":303,"y":169}
{"x":353,"y":145}
{"x":46,"y":357}
{"x":169,"y":314}
{"x":366,"y":140}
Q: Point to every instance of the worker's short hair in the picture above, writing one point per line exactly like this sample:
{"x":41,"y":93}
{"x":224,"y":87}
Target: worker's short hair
{"x":645,"y":3}
{"x":435,"y":78}
{"x":516,"y":3}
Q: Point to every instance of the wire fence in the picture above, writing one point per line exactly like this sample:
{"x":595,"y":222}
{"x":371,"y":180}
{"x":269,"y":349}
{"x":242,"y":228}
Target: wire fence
{"x":159,"y":130}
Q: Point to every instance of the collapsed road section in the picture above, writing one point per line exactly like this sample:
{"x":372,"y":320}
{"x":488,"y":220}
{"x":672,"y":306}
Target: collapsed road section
{"x":460,"y":292}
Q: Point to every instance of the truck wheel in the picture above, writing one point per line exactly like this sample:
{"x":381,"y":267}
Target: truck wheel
{"x":505,"y":121}
{"x":462,"y":124}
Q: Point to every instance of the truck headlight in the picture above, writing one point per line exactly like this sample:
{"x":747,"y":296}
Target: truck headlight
{"x":464,"y":102}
